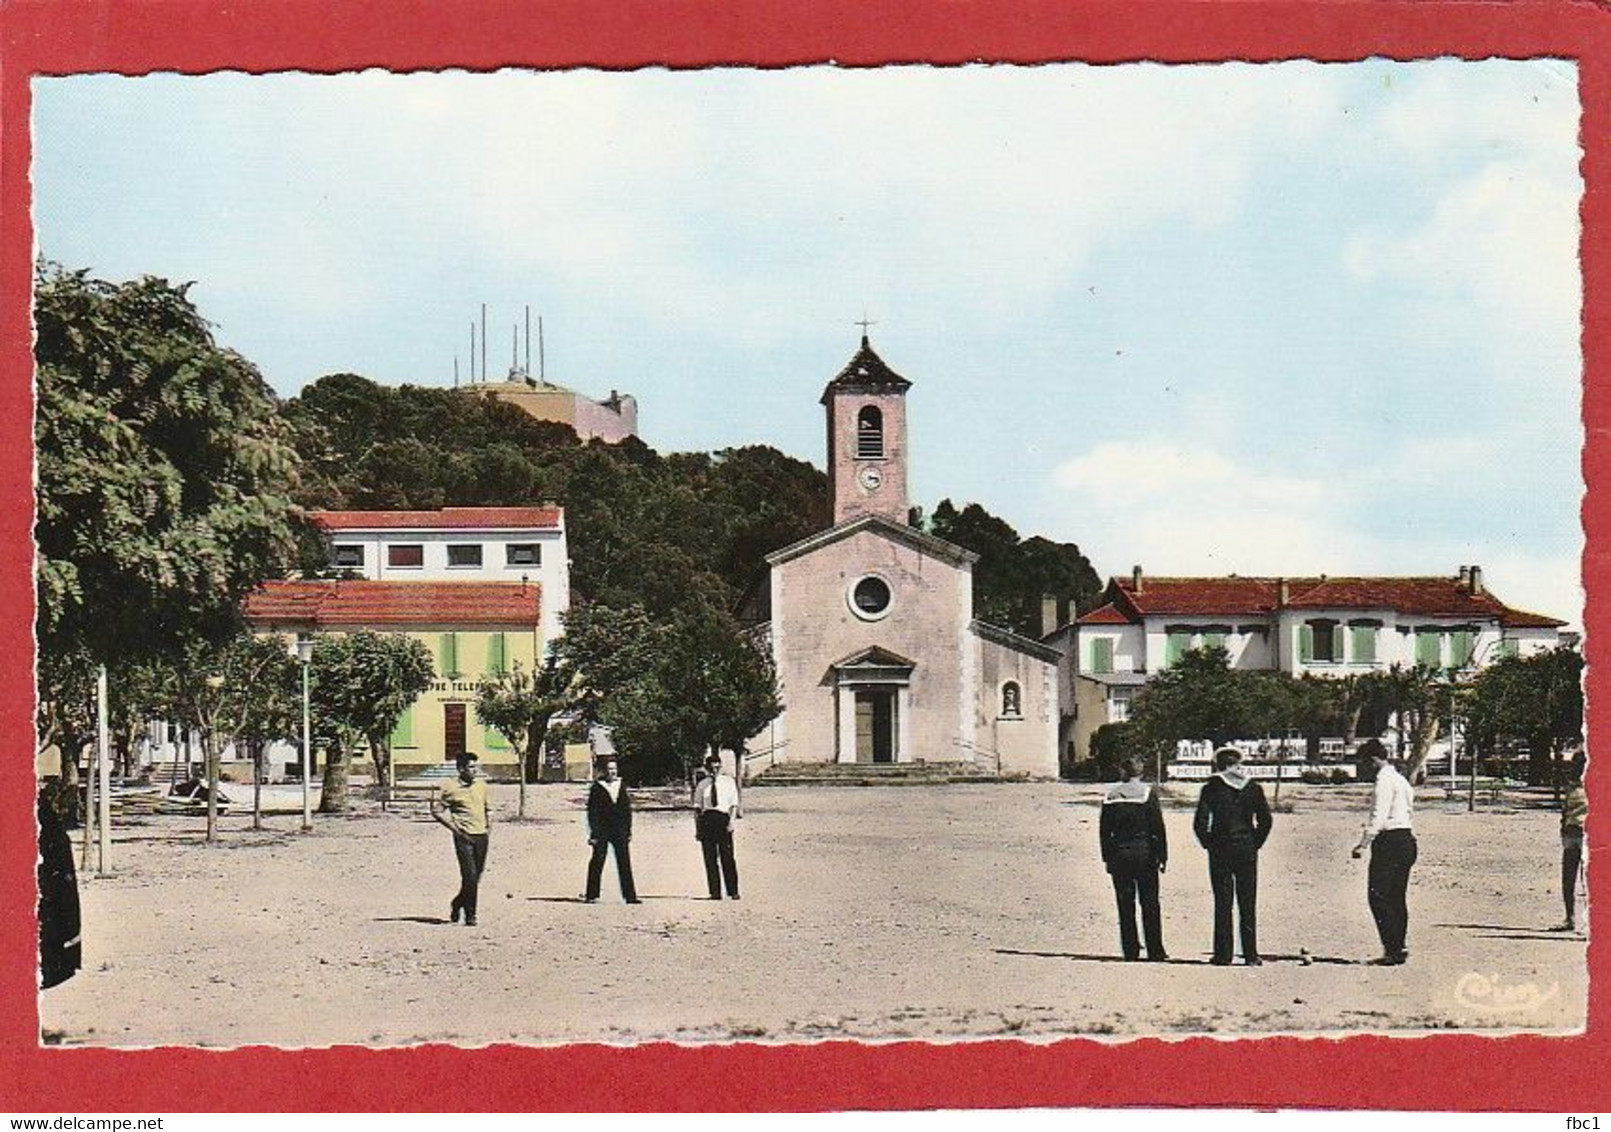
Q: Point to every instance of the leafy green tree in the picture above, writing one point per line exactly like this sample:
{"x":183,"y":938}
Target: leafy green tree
{"x":1013,"y":575}
{"x":360,"y":685}
{"x":1198,"y":697}
{"x":164,"y":474}
{"x":670,"y":690}
{"x":1537,"y":700}
{"x":519,"y":706}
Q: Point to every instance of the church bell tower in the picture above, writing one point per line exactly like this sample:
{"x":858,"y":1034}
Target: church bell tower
{"x":866,"y":406}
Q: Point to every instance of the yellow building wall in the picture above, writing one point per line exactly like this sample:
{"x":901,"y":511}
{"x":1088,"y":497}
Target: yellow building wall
{"x":462,"y":658}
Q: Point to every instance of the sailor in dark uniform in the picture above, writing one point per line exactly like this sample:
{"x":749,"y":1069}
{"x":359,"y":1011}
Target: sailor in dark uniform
{"x":1135,"y":850}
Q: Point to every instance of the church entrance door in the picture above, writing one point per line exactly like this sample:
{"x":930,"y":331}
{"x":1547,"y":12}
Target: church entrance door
{"x":875,"y":726}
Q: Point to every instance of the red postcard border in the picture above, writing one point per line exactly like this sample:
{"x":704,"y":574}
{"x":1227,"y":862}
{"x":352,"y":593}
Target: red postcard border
{"x":1454,"y":1072}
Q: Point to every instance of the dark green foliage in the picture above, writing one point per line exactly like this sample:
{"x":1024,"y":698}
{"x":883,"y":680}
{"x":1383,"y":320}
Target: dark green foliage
{"x":361,"y":685}
{"x":1013,"y":574}
{"x":1110,"y":746}
{"x":671,"y":690}
{"x":1536,"y":700}
{"x":165,"y":475}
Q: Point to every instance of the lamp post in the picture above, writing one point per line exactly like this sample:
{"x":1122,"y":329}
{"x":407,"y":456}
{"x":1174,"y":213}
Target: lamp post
{"x":304,"y":655}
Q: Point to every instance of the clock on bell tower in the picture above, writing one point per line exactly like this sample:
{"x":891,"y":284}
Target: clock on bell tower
{"x":866,"y":406}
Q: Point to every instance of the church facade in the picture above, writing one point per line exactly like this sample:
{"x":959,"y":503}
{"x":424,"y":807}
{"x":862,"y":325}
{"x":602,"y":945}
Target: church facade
{"x":870,"y":623}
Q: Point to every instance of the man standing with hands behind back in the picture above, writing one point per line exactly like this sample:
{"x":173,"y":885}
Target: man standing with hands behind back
{"x":715,"y":808}
{"x":1233,"y":822}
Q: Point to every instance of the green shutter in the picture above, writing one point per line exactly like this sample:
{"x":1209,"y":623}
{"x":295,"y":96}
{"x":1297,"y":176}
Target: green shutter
{"x":449,"y":651}
{"x":497,"y":655}
{"x":1174,"y":645}
{"x":1429,"y":647}
{"x":1213,"y":640}
{"x":1306,"y":644}
{"x":1508,"y":646}
{"x":1364,"y":644}
{"x":1102,"y":655}
{"x":1459,"y":648}
{"x":403,"y":733}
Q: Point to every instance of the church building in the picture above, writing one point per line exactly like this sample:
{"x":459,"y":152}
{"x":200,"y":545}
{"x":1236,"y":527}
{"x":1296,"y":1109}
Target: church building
{"x":870,"y":623}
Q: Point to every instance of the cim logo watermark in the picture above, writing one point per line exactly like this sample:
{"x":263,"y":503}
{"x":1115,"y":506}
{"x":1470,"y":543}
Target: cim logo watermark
{"x":1493,"y":995}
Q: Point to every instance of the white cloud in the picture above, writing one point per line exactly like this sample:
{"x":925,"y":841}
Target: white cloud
{"x":1179,"y":510}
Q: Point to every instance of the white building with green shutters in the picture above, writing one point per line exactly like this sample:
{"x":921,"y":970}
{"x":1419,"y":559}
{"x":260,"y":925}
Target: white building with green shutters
{"x":1321,"y":626}
{"x":482,"y":588}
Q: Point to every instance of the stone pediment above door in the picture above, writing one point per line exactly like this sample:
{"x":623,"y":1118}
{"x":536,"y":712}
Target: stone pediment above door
{"x":873,"y":666}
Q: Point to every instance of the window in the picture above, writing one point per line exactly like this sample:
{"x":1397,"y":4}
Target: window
{"x":1176,"y":644}
{"x":1461,"y":646}
{"x":870,"y":598}
{"x":1362,"y":642}
{"x":1509,"y":646}
{"x":1119,"y":706}
{"x":1319,"y":643}
{"x":350,"y":557}
{"x":1213,"y":639}
{"x":1102,"y":655}
{"x":405,"y":555}
{"x":523,"y":554}
{"x":464,"y":554}
{"x":869,"y":433}
{"x":447,"y":655}
{"x":1011,"y":699}
{"x":1429,"y":647}
{"x":403,"y":733}
{"x":497,"y":654}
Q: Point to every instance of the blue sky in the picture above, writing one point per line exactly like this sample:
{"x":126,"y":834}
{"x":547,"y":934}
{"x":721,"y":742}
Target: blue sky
{"x":1255,"y":318}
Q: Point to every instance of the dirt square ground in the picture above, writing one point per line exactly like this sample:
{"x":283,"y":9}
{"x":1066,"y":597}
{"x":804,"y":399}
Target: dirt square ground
{"x":871,"y":913}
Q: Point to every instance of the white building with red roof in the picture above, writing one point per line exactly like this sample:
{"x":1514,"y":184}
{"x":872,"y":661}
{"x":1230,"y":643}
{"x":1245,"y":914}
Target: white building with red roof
{"x":482,"y":587}
{"x":1320,"y":626}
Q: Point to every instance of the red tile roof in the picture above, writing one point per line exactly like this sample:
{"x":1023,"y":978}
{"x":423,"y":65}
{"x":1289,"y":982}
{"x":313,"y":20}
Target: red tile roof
{"x":1236,"y":597}
{"x":1108,"y":615}
{"x":449,"y":518}
{"x":360,"y":602}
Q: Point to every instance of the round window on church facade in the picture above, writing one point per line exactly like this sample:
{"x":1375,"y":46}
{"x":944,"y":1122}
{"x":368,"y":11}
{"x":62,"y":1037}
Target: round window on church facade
{"x":870,"y":598}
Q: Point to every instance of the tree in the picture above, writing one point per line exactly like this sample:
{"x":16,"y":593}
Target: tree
{"x":360,"y":686}
{"x":1537,"y":700}
{"x":519,"y":707}
{"x":670,"y":690}
{"x":165,"y":476}
{"x":1012,"y":576}
{"x":1198,"y":697}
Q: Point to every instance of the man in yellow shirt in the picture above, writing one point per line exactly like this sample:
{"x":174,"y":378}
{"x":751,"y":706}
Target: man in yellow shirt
{"x":462,"y":807}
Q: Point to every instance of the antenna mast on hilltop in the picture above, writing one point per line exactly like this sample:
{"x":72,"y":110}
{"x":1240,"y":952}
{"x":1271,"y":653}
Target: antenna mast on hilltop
{"x":483,"y":342}
{"x":472,"y":351}
{"x":528,"y":340}
{"x":455,"y":371}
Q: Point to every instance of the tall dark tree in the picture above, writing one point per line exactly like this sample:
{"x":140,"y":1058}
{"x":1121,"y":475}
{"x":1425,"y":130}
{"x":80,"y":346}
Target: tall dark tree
{"x":1014,"y":575}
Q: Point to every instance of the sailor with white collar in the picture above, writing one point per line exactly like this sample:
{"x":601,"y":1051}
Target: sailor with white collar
{"x":1135,"y":850}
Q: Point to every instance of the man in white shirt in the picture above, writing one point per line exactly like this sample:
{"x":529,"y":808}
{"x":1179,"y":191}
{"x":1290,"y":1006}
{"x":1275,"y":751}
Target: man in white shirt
{"x":715,"y":808}
{"x":1392,"y":853}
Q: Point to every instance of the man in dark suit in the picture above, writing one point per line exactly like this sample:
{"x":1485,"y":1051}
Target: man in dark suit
{"x":609,"y":826}
{"x":1232,"y":823}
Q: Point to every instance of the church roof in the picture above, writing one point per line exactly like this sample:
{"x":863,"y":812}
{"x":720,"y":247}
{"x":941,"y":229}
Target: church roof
{"x":995,"y":634}
{"x":866,"y":373}
{"x":911,"y":536}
